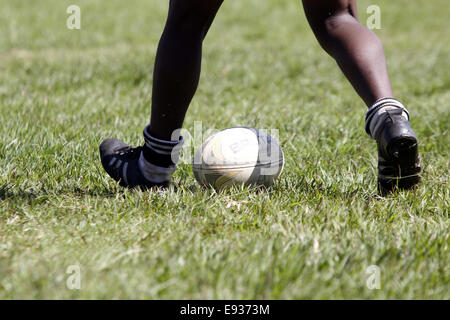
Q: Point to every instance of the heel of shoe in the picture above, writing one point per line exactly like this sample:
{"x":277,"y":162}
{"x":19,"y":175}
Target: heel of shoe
{"x":402,"y":170}
{"x":403,"y":150}
{"x":399,"y":165}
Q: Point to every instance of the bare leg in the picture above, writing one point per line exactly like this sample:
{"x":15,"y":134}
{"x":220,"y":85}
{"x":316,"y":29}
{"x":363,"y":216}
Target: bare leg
{"x":359,"y":53}
{"x":357,"y":50}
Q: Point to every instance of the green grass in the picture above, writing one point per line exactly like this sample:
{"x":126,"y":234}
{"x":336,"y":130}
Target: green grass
{"x":313,"y":235}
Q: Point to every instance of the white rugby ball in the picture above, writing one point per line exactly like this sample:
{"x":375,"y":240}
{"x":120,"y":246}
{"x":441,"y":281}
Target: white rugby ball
{"x":237,"y":156}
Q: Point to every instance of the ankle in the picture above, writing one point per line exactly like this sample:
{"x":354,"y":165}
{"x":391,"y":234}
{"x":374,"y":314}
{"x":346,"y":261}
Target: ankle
{"x":162,"y":153}
{"x":380,"y":111}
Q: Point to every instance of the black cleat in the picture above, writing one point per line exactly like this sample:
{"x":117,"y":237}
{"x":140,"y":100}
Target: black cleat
{"x":399,"y":164}
{"x":121,"y":162}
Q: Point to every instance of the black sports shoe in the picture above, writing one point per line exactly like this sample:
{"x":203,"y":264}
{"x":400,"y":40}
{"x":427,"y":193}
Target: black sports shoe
{"x":398,"y":157}
{"x":121,"y":162}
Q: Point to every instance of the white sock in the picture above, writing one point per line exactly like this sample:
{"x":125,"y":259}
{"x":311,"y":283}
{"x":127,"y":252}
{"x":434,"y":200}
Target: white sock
{"x":158,"y":160}
{"x":378,"y":112}
{"x":155,"y":174}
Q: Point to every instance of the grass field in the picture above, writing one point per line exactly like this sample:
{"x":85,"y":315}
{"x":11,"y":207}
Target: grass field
{"x":313,"y":235}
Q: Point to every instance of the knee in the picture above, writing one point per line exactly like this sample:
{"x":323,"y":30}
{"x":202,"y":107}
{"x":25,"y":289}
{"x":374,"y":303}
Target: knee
{"x":327,"y":15}
{"x":193,"y":14}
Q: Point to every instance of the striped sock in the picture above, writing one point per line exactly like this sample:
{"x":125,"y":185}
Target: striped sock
{"x":378,"y":112}
{"x":159,"y":157}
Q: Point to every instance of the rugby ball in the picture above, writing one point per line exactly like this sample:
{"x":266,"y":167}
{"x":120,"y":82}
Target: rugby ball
{"x":238,"y":156}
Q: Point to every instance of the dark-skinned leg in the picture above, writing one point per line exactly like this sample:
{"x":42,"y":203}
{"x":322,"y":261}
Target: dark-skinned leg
{"x":357,"y":50}
{"x":175,"y":80}
{"x":360,"y":55}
